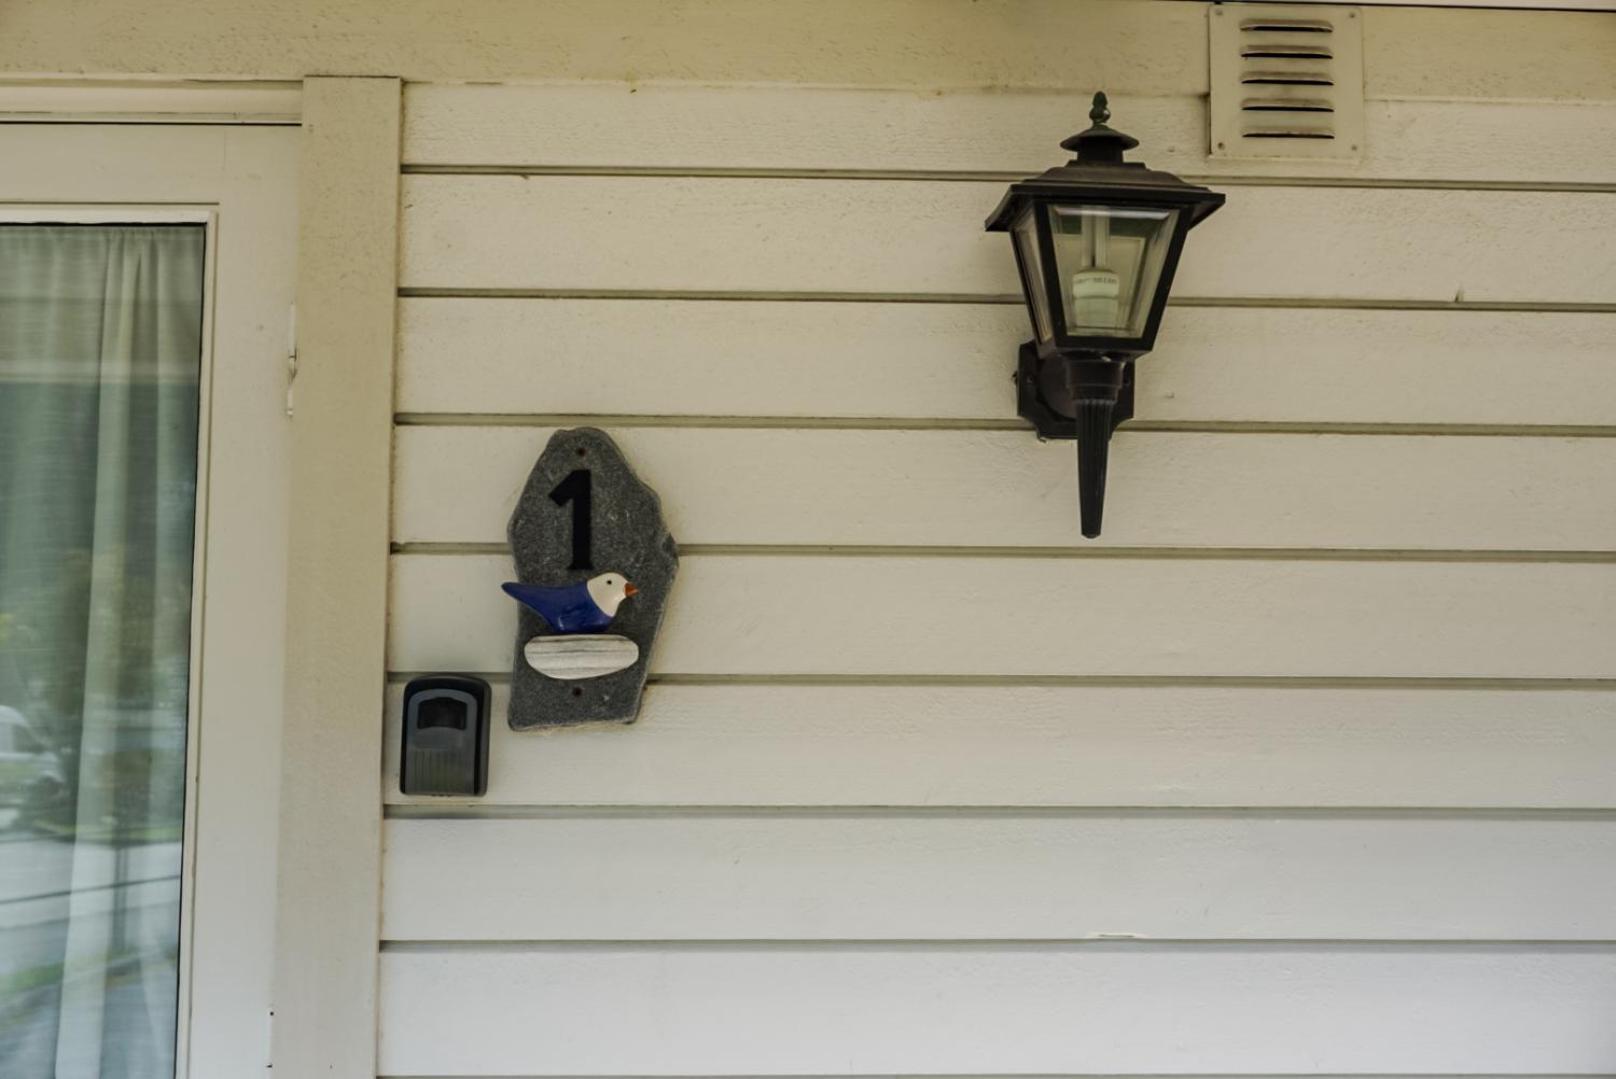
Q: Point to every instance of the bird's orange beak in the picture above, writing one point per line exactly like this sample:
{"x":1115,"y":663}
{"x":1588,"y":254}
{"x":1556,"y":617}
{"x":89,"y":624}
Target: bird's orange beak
{"x":629,"y":590}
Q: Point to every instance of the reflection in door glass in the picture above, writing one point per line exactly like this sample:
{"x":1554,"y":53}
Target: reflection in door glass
{"x":100,"y":353}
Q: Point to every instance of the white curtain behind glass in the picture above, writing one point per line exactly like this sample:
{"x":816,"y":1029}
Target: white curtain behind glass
{"x":100,"y":346}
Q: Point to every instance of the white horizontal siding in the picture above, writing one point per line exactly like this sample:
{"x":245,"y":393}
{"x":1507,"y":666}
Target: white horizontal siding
{"x":1002,"y":488}
{"x":798,"y":128}
{"x":964,"y":876}
{"x":954,"y":361}
{"x":895,"y":236}
{"x":996,"y":1010}
{"x":876,"y":806}
{"x":1035,"y":746}
{"x":946,"y":615}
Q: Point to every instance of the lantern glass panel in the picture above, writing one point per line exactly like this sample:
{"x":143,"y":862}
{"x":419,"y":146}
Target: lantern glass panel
{"x":1109,"y":261}
{"x":1032,"y":270}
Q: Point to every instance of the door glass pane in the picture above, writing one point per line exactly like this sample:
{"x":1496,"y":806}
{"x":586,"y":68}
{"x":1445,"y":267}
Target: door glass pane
{"x":1032,"y":275}
{"x":100,"y":354}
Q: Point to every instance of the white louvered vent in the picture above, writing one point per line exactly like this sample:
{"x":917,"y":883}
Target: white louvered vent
{"x":1287,"y":81}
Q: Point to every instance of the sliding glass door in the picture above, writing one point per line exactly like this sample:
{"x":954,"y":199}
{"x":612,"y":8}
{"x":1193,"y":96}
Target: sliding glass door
{"x":101,"y":349}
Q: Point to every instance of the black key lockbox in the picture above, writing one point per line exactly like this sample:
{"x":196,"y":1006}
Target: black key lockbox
{"x":445,"y":743}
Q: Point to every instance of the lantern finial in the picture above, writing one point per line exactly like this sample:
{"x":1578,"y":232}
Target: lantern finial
{"x":1100,"y":144}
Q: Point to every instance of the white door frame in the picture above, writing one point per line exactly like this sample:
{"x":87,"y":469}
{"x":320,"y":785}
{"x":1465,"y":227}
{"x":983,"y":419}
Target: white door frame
{"x":240,"y":180}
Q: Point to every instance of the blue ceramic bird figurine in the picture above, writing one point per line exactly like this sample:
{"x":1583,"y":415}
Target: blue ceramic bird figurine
{"x":586,"y":607}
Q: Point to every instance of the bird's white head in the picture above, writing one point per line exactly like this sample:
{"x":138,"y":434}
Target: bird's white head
{"x":609,"y":590}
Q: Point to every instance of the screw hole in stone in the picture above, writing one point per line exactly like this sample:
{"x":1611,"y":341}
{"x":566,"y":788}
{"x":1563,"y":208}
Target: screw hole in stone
{"x":576,"y":692}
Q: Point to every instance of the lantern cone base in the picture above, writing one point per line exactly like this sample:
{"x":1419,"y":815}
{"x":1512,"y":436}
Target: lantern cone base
{"x":1093,"y":387}
{"x":1093,"y":451}
{"x":1082,"y":398}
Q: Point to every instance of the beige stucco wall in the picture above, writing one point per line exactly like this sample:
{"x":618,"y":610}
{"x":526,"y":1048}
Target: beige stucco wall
{"x":1130,"y":46}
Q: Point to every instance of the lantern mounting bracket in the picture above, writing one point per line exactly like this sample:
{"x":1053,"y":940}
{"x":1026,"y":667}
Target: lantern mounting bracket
{"x":1043,"y":401}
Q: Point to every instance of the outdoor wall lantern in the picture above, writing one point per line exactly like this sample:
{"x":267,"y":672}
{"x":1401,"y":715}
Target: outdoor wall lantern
{"x":1097,"y":240}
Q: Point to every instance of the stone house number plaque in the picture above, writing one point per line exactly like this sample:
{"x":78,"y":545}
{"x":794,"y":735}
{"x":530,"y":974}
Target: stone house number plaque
{"x":594,"y":566}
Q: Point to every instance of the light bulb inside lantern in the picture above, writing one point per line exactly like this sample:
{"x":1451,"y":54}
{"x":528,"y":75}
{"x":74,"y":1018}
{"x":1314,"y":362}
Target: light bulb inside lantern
{"x":1096,"y":290}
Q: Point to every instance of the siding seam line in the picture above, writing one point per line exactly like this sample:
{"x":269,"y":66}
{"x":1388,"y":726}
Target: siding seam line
{"x":1023,"y":944}
{"x":719,"y":172}
{"x":900,"y":423}
{"x":1005,"y":298}
{"x":1068,"y":1075}
{"x":478,"y":812}
{"x":1161,"y":681}
{"x":461,"y":549}
{"x":221,"y":119}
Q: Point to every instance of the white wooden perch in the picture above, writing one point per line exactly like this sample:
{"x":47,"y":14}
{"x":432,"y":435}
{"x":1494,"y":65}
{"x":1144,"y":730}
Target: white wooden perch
{"x":585,"y":655}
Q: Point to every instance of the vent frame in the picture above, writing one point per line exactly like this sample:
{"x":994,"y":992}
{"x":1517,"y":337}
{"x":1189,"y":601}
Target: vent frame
{"x":1286,"y":82}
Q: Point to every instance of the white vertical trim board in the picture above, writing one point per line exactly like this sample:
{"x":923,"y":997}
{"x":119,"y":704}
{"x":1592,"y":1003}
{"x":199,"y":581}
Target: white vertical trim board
{"x":337,"y":593}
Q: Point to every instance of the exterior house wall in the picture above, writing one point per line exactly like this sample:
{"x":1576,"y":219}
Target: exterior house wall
{"x":1305,"y":767}
{"x":1277,"y":777}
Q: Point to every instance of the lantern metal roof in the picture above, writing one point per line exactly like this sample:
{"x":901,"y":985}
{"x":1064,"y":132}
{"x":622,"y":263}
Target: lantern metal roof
{"x":1099,"y":174}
